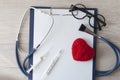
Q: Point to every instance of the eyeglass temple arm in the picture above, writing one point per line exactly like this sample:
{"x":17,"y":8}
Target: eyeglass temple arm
{"x":83,"y":10}
{"x":73,"y":8}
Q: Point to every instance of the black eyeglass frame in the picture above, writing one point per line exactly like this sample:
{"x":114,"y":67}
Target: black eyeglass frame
{"x":88,"y":14}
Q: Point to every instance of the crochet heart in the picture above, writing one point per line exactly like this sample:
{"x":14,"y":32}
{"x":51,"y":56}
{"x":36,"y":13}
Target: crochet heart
{"x":81,"y":51}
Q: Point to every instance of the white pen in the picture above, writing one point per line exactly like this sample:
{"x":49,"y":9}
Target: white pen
{"x":52,"y":64}
{"x":43,"y":57}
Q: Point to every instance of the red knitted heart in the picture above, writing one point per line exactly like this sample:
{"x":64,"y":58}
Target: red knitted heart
{"x":81,"y":51}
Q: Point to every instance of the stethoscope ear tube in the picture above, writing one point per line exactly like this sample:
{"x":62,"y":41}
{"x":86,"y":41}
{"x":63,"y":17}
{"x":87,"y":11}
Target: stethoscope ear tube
{"x":18,"y":59}
{"x":17,"y":46}
{"x":22,"y":66}
{"x":117,"y":53}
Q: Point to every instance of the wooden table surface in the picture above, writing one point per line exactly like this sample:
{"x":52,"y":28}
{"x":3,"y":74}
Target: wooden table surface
{"x":11,"y":12}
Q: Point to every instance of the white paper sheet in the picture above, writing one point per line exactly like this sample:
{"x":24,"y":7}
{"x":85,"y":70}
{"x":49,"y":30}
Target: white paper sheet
{"x":61,"y":36}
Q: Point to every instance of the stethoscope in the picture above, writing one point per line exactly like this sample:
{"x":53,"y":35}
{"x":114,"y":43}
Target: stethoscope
{"x":113,"y":46}
{"x":82,"y":28}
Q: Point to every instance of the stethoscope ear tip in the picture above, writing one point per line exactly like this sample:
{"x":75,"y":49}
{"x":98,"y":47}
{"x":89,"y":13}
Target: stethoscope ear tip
{"x":82,"y":27}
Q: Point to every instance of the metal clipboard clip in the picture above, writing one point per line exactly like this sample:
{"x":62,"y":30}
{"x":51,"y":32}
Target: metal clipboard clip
{"x":54,"y":11}
{"x":60,"y":11}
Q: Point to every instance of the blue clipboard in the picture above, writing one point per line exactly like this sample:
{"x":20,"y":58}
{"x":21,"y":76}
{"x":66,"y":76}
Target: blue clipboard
{"x":31,"y":36}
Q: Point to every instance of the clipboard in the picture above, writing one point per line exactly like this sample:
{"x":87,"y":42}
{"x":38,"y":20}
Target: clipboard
{"x":57,"y":74}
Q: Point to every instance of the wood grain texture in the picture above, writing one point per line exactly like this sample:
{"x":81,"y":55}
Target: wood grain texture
{"x":11,"y":12}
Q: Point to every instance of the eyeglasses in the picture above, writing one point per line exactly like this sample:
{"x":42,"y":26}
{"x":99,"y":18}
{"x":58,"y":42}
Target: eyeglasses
{"x":79,"y":11}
